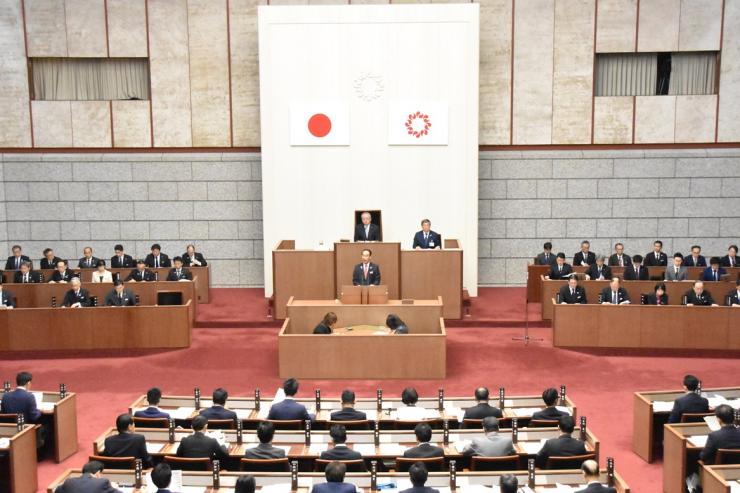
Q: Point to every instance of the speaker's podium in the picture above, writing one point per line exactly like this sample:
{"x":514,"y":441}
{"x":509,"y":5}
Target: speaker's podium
{"x":364,"y":295}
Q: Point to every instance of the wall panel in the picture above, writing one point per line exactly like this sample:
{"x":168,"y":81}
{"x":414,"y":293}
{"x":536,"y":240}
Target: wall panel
{"x":695,"y":118}
{"x":495,"y":72}
{"x":729,"y":86}
{"x":659,"y":21}
{"x":613,"y":120}
{"x":91,"y":124}
{"x":616,"y":25}
{"x":14,"y":110}
{"x":701,"y":22}
{"x":52,"y":123}
{"x":131,"y":124}
{"x":46,"y":28}
{"x":655,"y":118}
{"x":245,"y":96}
{"x":86,"y":29}
{"x":127,"y":28}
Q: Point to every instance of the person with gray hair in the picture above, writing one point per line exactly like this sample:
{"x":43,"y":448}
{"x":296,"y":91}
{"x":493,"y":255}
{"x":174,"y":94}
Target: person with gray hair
{"x":599,"y":271}
{"x":590,"y":469}
{"x":367,"y":231}
{"x":491,"y":444}
{"x":76,"y":297}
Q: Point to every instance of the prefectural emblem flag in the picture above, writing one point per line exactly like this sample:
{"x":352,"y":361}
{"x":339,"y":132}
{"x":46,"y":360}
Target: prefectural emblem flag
{"x":417,"y":123}
{"x":319,"y":124}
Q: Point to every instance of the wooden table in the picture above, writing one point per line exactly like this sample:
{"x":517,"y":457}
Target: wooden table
{"x":719,"y":479}
{"x":680,"y":455}
{"x":18,"y":466}
{"x":60,"y":415}
{"x":644,"y":326}
{"x":647,"y":422}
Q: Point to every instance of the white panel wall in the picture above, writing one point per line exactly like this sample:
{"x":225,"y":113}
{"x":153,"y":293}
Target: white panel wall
{"x":245,"y":97}
{"x":616,"y":26}
{"x":52,"y":123}
{"x":695,"y":118}
{"x":91,"y":124}
{"x":86,"y":28}
{"x":425,"y":52}
{"x":659,"y":20}
{"x":613,"y":120}
{"x":14,"y":110}
{"x":701,"y":23}
{"x":495,"y":71}
{"x":127,"y":28}
{"x":655,"y":119}
{"x":46,"y":28}
{"x":729,"y":86}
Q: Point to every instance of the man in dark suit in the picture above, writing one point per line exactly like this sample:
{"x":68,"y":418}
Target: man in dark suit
{"x":334,"y":473}
{"x":551,"y":413}
{"x":62,"y":274}
{"x":563,"y":446}
{"x":573,"y":294}
{"x":7,"y":300}
{"x":162,"y":477}
{"x":546,"y":257}
{"x":635,"y":271}
{"x":26,"y":275}
{"x":697,"y":296}
{"x":615,"y":294}
{"x":656,"y":258}
{"x":618,"y":258}
{"x":21,"y":400}
{"x":141,"y":273}
{"x":265,"y":449}
{"x":193,"y":258}
{"x":218,"y":410}
{"x":50,"y":260}
{"x":289,"y":408}
{"x":426,"y":238}
{"x":14,"y":261}
{"x":348,"y":412}
{"x":121,"y":260}
{"x":340,"y":451}
{"x":127,"y":443}
{"x":153,"y":396}
{"x":367,"y":231}
{"x":199,"y":445}
{"x":714,"y":272}
{"x":418,"y":475}
{"x":424,"y":449}
{"x":560,"y":270}
{"x":727,"y":437}
{"x":691,"y":402}
{"x":584,"y":257}
{"x":90,"y":481}
{"x":734,"y":295}
{"x":366,"y":272}
{"x":695,"y":259}
{"x":76,"y":297}
{"x":87,"y":261}
{"x":731,"y":259}
{"x":120,"y":296}
{"x":179,"y":273}
{"x":157,"y":259}
{"x":482,"y":408}
{"x":598,"y":271}
{"x":591,"y":474}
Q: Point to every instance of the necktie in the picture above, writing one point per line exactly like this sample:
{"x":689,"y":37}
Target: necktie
{"x":366,"y":269}
{"x":156,"y":262}
{"x":367,"y":232}
{"x":17,"y":263}
{"x":621,"y":262}
{"x":560,"y":269}
{"x":715,"y":275}
{"x":120,"y":297}
{"x":25,"y":278}
{"x":676,"y":270}
{"x":547,"y":258}
{"x":572,"y":292}
{"x":426,"y":238}
{"x":178,"y":273}
{"x":614,"y":297}
{"x":599,"y":274}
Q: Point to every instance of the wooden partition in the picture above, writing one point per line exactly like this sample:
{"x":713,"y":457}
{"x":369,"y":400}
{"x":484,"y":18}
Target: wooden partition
{"x":19,"y":458}
{"x":386,"y":255}
{"x":720,"y":479}
{"x":63,"y":421}
{"x":680,"y":454}
{"x":426,"y":274}
{"x":304,"y":274}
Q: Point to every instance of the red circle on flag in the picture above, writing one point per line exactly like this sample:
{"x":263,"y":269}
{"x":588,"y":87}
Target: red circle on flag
{"x":319,"y":125}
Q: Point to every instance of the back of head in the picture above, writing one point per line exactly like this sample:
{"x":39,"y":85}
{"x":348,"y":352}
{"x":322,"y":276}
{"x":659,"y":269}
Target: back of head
{"x":508,"y":483}
{"x":338,"y":433}
{"x":219,"y":396}
{"x":348,"y":397}
{"x":162,"y":475}
{"x":23,"y":378}
{"x":290,"y":387}
{"x":153,"y":396}
{"x":329,"y":319}
{"x":418,"y":474}
{"x":335,"y":471}
{"x":265,"y":431}
{"x":490,"y":423}
{"x":123,"y":421}
{"x":566,"y":424}
{"x":199,"y":422}
{"x":590,"y":468}
{"x":92,"y":467}
{"x":481,"y":394}
{"x":724,"y":414}
{"x":423,"y":432}
{"x":245,"y":484}
{"x":409,"y":396}
{"x":550,"y":396}
{"x":392,"y":321}
{"x":691,"y":383}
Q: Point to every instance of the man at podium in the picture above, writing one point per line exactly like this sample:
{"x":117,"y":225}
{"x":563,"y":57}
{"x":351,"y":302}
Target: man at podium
{"x":367,"y":231}
{"x":366,"y":272}
{"x":426,"y":238}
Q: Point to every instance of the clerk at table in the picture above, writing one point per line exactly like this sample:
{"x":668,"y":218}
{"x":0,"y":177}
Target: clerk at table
{"x":426,"y":238}
{"x":366,"y":273}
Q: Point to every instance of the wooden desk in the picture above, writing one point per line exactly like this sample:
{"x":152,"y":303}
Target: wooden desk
{"x":18,"y":466}
{"x":303,"y":274}
{"x":438,"y":480}
{"x":680,"y":455}
{"x":644,"y":326}
{"x":61,"y":417}
{"x":647,"y":422}
{"x":139,"y":327}
{"x":720,"y":479}
{"x":427,"y":274}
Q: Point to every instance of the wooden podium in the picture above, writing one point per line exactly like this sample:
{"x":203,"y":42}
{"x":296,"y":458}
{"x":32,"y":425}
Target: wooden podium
{"x":364,"y":295}
{"x":386,"y":255}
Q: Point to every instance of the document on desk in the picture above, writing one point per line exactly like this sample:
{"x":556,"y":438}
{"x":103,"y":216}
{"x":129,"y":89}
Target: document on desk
{"x":154,"y":448}
{"x":39,"y":397}
{"x":317,"y":448}
{"x":461,"y":445}
{"x":662,"y":406}
{"x":275,"y":488}
{"x":521,"y":412}
{"x":531,"y":448}
{"x":4,"y":442}
{"x":712,"y":422}
{"x":564,"y":409}
{"x":182,"y":412}
{"x":735,"y":487}
{"x":698,"y":440}
{"x":392,"y":449}
{"x":364,"y":448}
{"x":243,"y":413}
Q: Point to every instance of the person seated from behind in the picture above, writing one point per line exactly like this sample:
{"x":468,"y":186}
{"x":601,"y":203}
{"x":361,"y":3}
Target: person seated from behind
{"x":153,"y":396}
{"x":334,"y":474}
{"x":21,"y":400}
{"x":77,"y":297}
{"x":636,"y":271}
{"x":599,"y":271}
{"x":615,"y":294}
{"x":727,"y":437}
{"x":714,"y":272}
{"x":676,"y":272}
{"x":409,"y":411}
{"x":340,"y":450}
{"x":426,"y":239}
{"x":265,"y":449}
{"x":127,"y":443}
{"x":585,"y":257}
{"x":563,"y":446}
{"x":141,"y":273}
{"x":424,"y":449}
{"x":62,"y":274}
{"x":491,"y":444}
{"x":50,"y":260}
{"x":162,"y":477}
{"x":695,"y":259}
{"x":102,"y":274}
{"x":659,"y":296}
{"x":120,"y":296}
{"x":87,"y":261}
{"x":698,"y":296}
{"x":733,"y":297}
{"x":7,"y":300}
{"x":559,"y":270}
{"x":198,"y":445}
{"x":191,"y":258}
{"x":590,"y":469}
{"x":546,"y":257}
{"x":573,"y":294}
{"x":157,"y":259}
{"x":550,"y":397}
{"x":91,"y":481}
{"x":178,"y":272}
{"x":327,"y":324}
{"x":482,"y":408}
{"x":26,"y":275}
{"x":348,"y":411}
{"x":618,"y":258}
{"x":418,"y":475}
{"x":245,"y":484}
{"x":691,"y":402}
{"x":395,"y":324}
{"x":508,"y":484}
{"x":289,"y":408}
{"x":218,"y":409}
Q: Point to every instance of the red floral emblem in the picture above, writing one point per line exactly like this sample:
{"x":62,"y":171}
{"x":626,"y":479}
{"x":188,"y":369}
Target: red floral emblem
{"x":418,"y":124}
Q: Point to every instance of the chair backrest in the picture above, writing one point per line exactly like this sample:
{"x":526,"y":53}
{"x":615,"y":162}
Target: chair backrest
{"x":433,"y":463}
{"x":504,"y":463}
{"x":188,"y":464}
{"x":694,"y":417}
{"x":543,"y":423}
{"x":477,"y":424}
{"x":221,"y":424}
{"x":357,"y":465}
{"x":436,"y":424}
{"x":360,"y":424}
{"x":568,"y":462}
{"x":265,"y":465}
{"x":287,"y":424}
{"x":8,"y":418}
{"x":115,"y":462}
{"x":151,"y":422}
{"x":727,"y":456}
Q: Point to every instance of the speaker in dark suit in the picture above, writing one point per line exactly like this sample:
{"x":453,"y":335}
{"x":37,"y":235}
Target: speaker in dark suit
{"x":88,"y":482}
{"x":14,"y":261}
{"x":636,"y":271}
{"x":573,"y":294}
{"x":584,"y":257}
{"x":340,"y":451}
{"x":26,"y":275}
{"x":691,"y":402}
{"x":77,"y":297}
{"x":157,"y":259}
{"x":193,"y":258}
{"x":6,"y":298}
{"x":482,"y":409}
{"x":424,"y":449}
{"x":727,"y":437}
{"x":562,"y":446}
{"x":348,"y":412}
{"x":20,"y":400}
{"x":698,"y":296}
{"x":121,"y":260}
{"x":367,"y":231}
{"x":141,"y":273}
{"x":120,"y":296}
{"x":366,"y":272}
{"x":199,"y":445}
{"x":656,"y":258}
{"x":178,"y":272}
{"x":560,"y":270}
{"x":127,"y":443}
{"x":426,"y":238}
{"x":599,"y":270}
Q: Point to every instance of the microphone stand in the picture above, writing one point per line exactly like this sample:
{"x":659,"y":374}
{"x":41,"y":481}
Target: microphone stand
{"x":526,"y":338}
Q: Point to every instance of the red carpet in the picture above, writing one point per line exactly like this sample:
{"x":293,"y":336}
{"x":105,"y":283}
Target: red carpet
{"x":242,"y":359}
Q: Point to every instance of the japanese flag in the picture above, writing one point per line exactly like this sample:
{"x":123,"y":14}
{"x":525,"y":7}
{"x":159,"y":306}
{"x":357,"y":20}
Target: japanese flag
{"x":319,"y":124}
{"x":417,"y":123}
